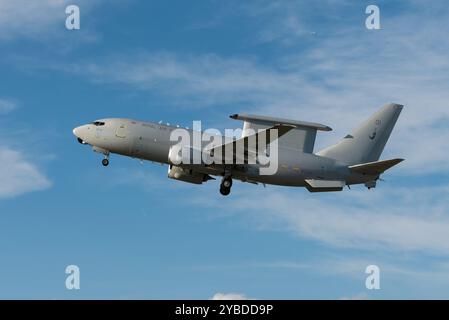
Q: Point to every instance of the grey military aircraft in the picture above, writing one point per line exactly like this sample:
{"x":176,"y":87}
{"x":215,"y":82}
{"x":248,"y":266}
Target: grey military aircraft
{"x":353,"y":160}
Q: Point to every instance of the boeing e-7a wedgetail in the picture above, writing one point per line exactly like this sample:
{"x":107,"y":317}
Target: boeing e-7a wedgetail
{"x":353,"y":160}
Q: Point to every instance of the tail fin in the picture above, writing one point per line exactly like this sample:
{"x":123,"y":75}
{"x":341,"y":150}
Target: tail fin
{"x":367,"y":142}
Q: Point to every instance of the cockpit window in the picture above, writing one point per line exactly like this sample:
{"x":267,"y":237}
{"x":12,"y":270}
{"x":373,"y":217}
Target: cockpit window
{"x":98,"y":123}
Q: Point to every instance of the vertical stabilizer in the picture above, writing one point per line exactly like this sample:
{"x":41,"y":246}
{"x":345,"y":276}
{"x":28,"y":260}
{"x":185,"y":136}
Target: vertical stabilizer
{"x":366,"y":143}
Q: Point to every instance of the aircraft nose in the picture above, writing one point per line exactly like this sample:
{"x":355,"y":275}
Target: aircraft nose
{"x":76,"y":131}
{"x":80,"y":134}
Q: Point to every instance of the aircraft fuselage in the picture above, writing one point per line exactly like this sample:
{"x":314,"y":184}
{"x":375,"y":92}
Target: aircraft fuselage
{"x":151,"y":141}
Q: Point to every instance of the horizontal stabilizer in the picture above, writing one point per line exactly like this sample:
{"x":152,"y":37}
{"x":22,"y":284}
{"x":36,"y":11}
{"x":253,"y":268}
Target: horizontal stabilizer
{"x":314,"y":185}
{"x":375,"y":168}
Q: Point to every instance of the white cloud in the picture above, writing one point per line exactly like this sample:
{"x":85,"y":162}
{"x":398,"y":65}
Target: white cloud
{"x":7,"y":105}
{"x":19,"y":175}
{"x":389,"y":218}
{"x":338,"y":80}
{"x":278,"y":21}
{"x":30,"y":17}
{"x":229,"y":296}
{"x":397,"y":271}
{"x":204,"y":80}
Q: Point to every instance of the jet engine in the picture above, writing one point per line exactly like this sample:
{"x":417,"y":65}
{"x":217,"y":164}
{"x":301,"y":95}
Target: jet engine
{"x":187,"y":175}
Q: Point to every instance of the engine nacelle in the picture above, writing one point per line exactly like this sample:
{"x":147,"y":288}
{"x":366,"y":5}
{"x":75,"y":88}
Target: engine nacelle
{"x":186,"y":175}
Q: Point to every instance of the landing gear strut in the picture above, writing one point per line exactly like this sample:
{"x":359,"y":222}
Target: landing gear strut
{"x":225,"y":186}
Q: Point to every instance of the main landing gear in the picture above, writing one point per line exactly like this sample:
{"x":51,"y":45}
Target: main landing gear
{"x":105,"y":162}
{"x":225,"y":186}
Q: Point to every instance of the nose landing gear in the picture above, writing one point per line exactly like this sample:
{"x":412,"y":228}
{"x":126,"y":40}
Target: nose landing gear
{"x":105,"y":161}
{"x":225,"y":186}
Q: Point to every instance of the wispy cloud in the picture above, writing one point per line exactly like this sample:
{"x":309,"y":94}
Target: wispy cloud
{"x":396,"y":271}
{"x":7,"y":105}
{"x":203,"y":80}
{"x":30,"y":18}
{"x":19,"y":175}
{"x":338,"y":80}
{"x":391,"y":219}
{"x":285,"y":22}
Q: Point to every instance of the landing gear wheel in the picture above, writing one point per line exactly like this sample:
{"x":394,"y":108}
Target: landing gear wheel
{"x":227,"y":183}
{"x":225,"y":191}
{"x":225,"y":187}
{"x":105,"y":162}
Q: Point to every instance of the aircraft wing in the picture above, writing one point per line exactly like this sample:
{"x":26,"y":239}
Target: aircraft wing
{"x":244,"y":146}
{"x":376,"y":167}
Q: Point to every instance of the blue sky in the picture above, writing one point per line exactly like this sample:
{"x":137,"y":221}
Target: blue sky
{"x":136,"y":234}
